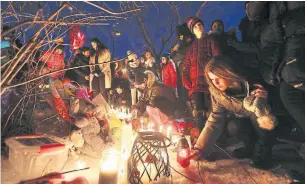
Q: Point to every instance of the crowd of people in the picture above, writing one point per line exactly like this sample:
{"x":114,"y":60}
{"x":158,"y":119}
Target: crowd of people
{"x":211,"y":77}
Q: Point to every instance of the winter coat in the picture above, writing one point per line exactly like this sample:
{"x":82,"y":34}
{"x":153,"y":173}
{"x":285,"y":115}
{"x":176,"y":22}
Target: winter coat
{"x":53,"y":62}
{"x":198,"y":55}
{"x":131,"y":72}
{"x":117,"y":100}
{"x":101,"y":57}
{"x":79,"y":74}
{"x":281,"y":36}
{"x":169,"y":74}
{"x":249,"y":47}
{"x":242,"y":104}
{"x":231,"y":52}
{"x":152,"y":93}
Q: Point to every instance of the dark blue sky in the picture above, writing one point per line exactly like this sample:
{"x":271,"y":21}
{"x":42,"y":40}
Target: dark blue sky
{"x":158,"y":17}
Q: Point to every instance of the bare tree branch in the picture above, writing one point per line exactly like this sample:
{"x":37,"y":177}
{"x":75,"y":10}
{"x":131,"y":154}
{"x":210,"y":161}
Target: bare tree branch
{"x":110,"y":12}
{"x":200,"y":8}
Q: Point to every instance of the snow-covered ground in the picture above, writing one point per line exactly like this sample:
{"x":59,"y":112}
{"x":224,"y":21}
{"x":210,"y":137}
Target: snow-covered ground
{"x":224,"y":170}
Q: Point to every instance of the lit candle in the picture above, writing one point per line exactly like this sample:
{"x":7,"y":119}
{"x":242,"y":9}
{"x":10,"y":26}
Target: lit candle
{"x":150,"y":168}
{"x":161,"y":128}
{"x":109,"y":167}
{"x":168,"y":133}
{"x":175,"y":139}
{"x":142,"y":124}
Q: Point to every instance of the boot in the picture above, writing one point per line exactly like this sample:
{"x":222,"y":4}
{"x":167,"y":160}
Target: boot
{"x":262,"y":156}
{"x":243,"y":152}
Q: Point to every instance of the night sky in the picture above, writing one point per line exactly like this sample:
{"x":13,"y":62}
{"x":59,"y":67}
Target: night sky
{"x":157,"y":20}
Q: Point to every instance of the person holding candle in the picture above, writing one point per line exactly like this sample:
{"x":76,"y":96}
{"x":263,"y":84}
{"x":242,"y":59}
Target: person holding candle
{"x":157,"y":99}
{"x":232,"y":93}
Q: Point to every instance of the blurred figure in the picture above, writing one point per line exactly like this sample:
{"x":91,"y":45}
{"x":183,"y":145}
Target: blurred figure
{"x":169,"y":75}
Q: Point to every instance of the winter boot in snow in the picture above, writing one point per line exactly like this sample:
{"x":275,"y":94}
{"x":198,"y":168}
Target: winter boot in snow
{"x":262,"y":156}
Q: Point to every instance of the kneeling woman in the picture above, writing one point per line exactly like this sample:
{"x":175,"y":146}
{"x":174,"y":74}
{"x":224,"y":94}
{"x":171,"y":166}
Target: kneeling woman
{"x":230,"y":92}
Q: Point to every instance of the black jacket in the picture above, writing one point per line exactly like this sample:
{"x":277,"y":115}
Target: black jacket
{"x":79,"y":74}
{"x":249,"y":47}
{"x":131,"y":72}
{"x":283,"y":26}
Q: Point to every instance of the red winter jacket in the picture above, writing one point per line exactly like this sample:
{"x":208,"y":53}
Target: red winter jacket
{"x":54,"y":62}
{"x":169,"y":75}
{"x":198,"y":55}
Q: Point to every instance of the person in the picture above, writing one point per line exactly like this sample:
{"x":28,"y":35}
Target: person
{"x":282,"y":48}
{"x":54,"y":59}
{"x":151,"y":64}
{"x":119,"y":97}
{"x":218,"y":33}
{"x":249,"y":46}
{"x":101,"y":55}
{"x":80,"y":75}
{"x":231,"y":92}
{"x":185,"y":39}
{"x":202,"y":49}
{"x":168,"y":70}
{"x":142,"y":61}
{"x":133,"y":66}
{"x":157,"y":99}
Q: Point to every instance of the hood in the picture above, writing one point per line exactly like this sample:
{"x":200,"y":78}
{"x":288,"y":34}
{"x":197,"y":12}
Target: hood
{"x":151,"y":78}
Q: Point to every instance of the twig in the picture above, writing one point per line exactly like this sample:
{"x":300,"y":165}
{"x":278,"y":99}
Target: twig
{"x":45,"y":75}
{"x":110,"y":12}
{"x":200,"y":8}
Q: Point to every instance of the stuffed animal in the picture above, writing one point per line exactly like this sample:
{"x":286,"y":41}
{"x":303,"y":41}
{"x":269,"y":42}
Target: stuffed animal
{"x":88,"y":118}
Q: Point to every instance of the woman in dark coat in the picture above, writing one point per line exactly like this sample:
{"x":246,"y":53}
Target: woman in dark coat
{"x":231,"y":93}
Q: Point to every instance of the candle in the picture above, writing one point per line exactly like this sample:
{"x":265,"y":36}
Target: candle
{"x":150,"y":169}
{"x":168,"y":133}
{"x":142,"y":124}
{"x":161,"y":128}
{"x":175,"y":139}
{"x":109,"y":167}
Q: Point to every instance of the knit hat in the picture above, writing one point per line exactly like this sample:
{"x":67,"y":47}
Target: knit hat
{"x":140,"y":78}
{"x":166,"y":55}
{"x":217,"y":20}
{"x":191,"y":22}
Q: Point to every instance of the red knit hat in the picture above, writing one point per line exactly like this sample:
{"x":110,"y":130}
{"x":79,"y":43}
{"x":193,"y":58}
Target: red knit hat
{"x":191,"y":22}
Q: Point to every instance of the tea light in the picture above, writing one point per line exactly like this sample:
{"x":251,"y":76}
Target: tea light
{"x":109,"y":167}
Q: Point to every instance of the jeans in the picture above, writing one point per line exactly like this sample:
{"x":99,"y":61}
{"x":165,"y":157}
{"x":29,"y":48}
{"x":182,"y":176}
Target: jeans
{"x":294,"y":101}
{"x":203,"y":104}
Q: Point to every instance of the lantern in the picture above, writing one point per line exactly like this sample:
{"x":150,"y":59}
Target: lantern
{"x":183,"y":152}
{"x":77,"y":37}
{"x":149,"y":159}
